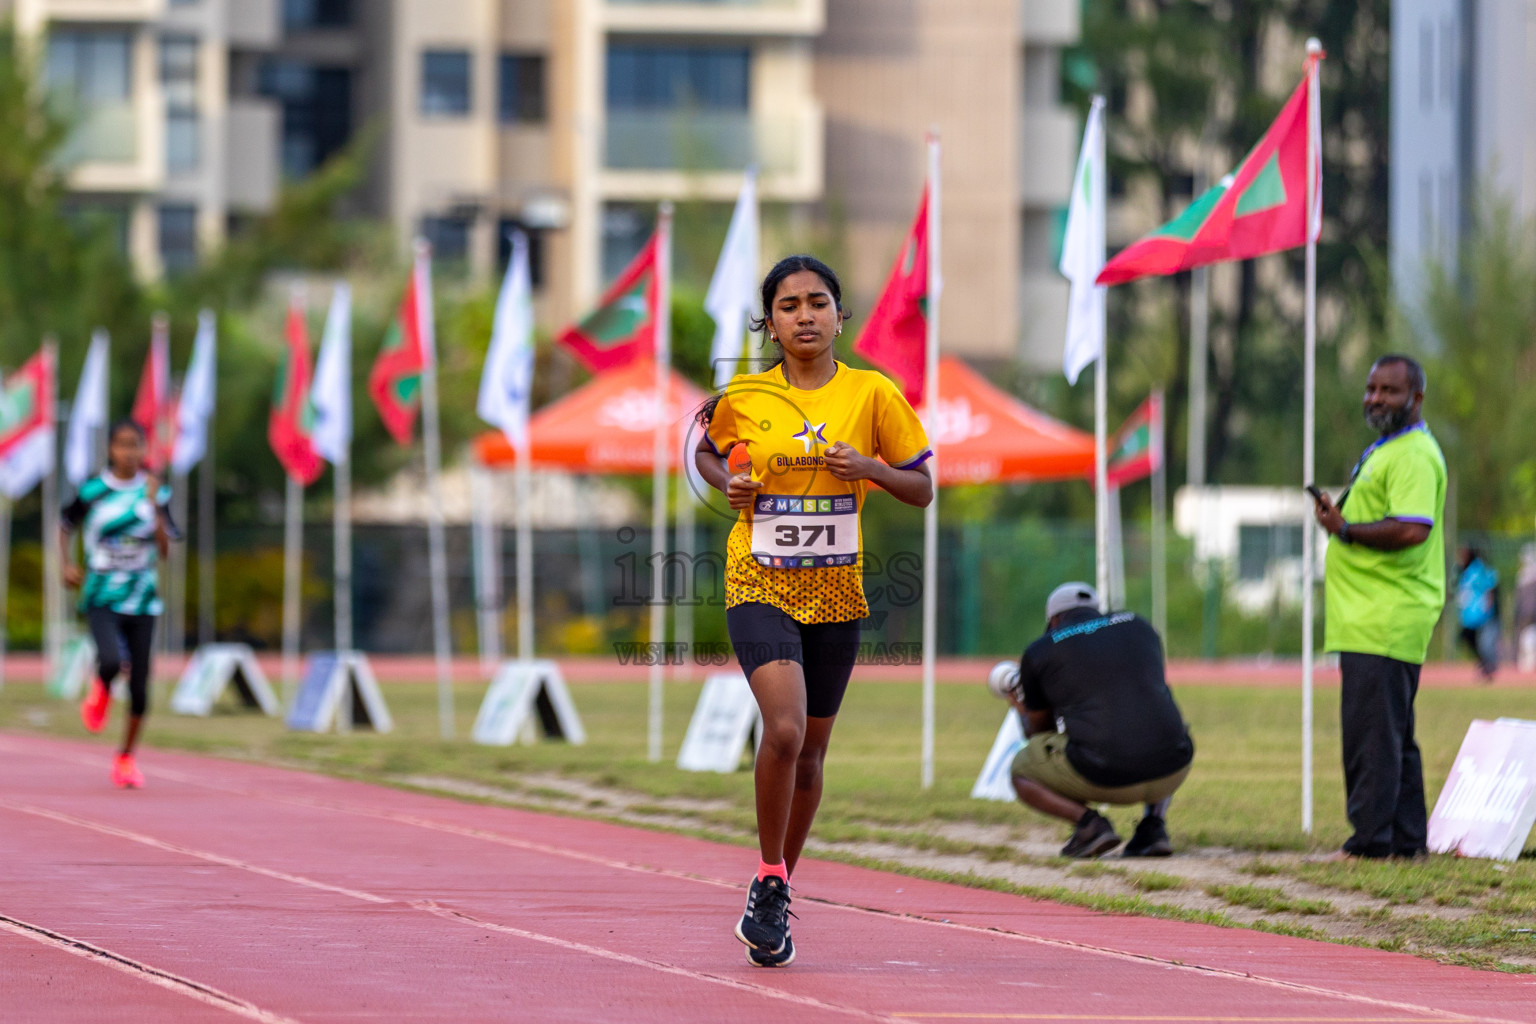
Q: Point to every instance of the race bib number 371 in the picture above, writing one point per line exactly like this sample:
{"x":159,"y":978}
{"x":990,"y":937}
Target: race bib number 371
{"x":805,"y":532}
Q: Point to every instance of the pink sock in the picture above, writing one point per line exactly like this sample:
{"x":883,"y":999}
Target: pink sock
{"x":764,"y":869}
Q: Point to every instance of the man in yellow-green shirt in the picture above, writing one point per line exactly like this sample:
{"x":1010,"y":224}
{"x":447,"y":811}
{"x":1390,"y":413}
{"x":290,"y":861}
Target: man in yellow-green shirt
{"x":1385,"y":587}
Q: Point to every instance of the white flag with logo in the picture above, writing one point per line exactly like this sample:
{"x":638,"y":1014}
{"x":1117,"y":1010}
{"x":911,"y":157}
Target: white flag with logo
{"x":198,"y":391}
{"x":733,"y":289}
{"x":330,"y":395}
{"x":507,"y":379}
{"x":1082,"y":250}
{"x":89,"y":413}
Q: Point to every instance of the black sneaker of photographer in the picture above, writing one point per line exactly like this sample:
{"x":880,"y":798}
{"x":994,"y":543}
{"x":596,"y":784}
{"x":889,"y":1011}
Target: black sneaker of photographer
{"x":1150,"y":840}
{"x":1093,"y":837}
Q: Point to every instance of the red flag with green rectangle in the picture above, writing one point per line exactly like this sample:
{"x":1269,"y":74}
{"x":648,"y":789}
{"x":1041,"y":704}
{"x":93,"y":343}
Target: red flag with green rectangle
{"x":291,"y":421}
{"x":622,"y":328}
{"x":1259,"y":208}
{"x":394,"y":383}
{"x":896,"y":336}
{"x":1136,"y":450}
{"x":24,"y":401}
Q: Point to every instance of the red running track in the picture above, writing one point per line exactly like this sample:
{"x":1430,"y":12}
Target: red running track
{"x":228,"y":891}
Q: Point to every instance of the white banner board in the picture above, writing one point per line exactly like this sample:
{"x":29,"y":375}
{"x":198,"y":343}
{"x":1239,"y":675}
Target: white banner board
{"x":1488,"y":803}
{"x":995,"y":781}
{"x":338,"y":689}
{"x":524,"y":692}
{"x":76,"y":666}
{"x":723,"y":724}
{"x":211,"y":669}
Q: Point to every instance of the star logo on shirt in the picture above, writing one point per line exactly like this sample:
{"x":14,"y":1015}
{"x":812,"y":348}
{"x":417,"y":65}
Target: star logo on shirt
{"x":811,"y":435}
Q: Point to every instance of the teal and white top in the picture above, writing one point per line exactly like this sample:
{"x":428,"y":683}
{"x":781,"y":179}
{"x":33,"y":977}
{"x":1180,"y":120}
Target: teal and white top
{"x":121,"y":559}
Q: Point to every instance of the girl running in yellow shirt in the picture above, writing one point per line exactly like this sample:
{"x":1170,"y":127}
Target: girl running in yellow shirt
{"x":819,"y":433}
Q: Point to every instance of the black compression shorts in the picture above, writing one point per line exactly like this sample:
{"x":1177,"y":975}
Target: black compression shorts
{"x":825,"y":651}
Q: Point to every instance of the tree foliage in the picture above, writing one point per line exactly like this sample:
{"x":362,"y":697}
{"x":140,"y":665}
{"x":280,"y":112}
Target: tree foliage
{"x":1479,"y":328}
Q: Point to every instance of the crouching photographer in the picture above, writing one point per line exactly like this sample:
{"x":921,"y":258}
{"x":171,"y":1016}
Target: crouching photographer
{"x":1100,"y":723}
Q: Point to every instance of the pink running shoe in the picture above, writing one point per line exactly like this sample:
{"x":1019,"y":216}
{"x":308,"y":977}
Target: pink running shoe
{"x":126,"y":774}
{"x":93,"y":710}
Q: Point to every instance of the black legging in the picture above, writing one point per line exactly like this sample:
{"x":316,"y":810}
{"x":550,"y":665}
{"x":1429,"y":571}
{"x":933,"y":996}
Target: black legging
{"x":112,"y":632}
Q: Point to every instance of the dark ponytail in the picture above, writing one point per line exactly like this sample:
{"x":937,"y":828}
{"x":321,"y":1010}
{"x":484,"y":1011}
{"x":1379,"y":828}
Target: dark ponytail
{"x":770,"y":289}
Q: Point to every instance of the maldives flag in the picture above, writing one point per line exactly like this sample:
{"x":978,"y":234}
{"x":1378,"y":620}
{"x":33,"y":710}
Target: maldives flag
{"x":24,"y":402}
{"x":1258,"y":208}
{"x":896,"y":336}
{"x":154,"y":409}
{"x":622,"y":329}
{"x":292,"y":418}
{"x":395,"y":380}
{"x":1136,"y":450}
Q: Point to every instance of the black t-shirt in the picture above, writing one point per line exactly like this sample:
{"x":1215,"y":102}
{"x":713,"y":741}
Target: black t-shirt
{"x":1103,"y":675}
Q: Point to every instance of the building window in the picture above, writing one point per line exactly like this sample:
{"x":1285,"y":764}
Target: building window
{"x":626,"y":227}
{"x":108,"y":217}
{"x":520,"y":89}
{"x":445,"y":83}
{"x":306,"y":14}
{"x":178,"y":238}
{"x":178,"y":80}
{"x":449,"y":237}
{"x":649,"y":77}
{"x":504,"y":229}
{"x":90,"y":79}
{"x":317,"y":111}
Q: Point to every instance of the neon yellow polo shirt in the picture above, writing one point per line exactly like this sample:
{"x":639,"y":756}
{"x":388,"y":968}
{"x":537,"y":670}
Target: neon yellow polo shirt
{"x":1387,"y":602}
{"x":800,"y":547}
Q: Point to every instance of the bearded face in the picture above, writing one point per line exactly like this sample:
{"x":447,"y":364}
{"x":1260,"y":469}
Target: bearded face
{"x":1390,"y":400}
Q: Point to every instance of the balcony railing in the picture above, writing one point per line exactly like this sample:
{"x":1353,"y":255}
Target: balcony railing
{"x":104,"y":133}
{"x":699,"y":141}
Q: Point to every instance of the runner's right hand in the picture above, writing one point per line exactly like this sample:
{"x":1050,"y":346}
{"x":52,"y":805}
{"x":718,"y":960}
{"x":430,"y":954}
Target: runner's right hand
{"x":740,"y":489}
{"x":73,"y":576}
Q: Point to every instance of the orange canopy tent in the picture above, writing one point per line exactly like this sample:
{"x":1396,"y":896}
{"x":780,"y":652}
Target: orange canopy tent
{"x":605,"y":426}
{"x":984,"y":435}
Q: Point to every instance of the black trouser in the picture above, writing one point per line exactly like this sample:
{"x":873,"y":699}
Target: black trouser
{"x":112,"y":632}
{"x":1383,"y":773}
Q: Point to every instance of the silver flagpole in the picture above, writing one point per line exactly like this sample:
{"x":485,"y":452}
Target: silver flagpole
{"x":931,"y":513}
{"x":206,"y":551}
{"x":658,"y":624}
{"x":1308,"y":435}
{"x":5,"y":579}
{"x":437,"y":554}
{"x":176,"y":604}
{"x":52,"y":569}
{"x":293,"y":567}
{"x":1159,"y":545}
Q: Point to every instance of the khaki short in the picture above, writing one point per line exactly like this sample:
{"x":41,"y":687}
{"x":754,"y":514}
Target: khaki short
{"x":1044,"y":761}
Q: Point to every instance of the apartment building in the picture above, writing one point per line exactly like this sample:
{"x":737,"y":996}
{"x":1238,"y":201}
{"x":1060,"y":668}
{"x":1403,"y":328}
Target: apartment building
{"x":573,"y":119}
{"x":160,"y":150}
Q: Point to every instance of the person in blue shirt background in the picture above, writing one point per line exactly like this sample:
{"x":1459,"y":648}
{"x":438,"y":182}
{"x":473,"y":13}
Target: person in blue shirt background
{"x":1477,"y":597}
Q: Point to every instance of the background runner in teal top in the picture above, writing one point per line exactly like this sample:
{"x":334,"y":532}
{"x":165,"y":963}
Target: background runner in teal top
{"x":117,"y":520}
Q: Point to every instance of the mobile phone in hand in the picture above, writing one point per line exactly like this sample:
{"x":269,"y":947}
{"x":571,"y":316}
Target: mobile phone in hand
{"x":1317,"y":495}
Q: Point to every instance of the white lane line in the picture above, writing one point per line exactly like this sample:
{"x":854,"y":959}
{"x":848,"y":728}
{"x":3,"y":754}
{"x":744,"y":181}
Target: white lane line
{"x":1038,"y":940}
{"x":458,"y":917}
{"x":143,"y":972}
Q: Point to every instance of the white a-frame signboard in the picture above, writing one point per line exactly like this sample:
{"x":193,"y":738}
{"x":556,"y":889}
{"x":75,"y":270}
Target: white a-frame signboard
{"x":521,"y":689}
{"x":722,"y":727}
{"x":339,"y":688}
{"x":995,"y":781}
{"x":212,"y":668}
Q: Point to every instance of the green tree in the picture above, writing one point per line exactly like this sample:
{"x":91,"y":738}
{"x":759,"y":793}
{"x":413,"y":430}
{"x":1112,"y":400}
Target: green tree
{"x":1479,"y":328}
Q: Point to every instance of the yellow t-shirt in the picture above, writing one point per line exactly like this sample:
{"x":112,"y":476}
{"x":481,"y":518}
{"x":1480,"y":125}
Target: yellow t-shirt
{"x":799,"y":548}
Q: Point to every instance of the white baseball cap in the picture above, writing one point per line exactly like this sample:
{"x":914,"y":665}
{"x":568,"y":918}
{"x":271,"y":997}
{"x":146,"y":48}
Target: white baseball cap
{"x":1069,"y":596}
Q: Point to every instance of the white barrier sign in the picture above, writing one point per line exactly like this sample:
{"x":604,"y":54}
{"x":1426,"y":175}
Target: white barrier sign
{"x":520,"y":689}
{"x":1488,"y":804}
{"x":212,"y":668}
{"x":995,"y":781}
{"x":76,"y":665}
{"x":722,"y":725}
{"x":338,"y":688}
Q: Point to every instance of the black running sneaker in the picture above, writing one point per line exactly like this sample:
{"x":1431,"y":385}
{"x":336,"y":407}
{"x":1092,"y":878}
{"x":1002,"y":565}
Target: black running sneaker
{"x":783,"y":958}
{"x":765,"y":925}
{"x":1150,"y":840}
{"x":1093,"y":837}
